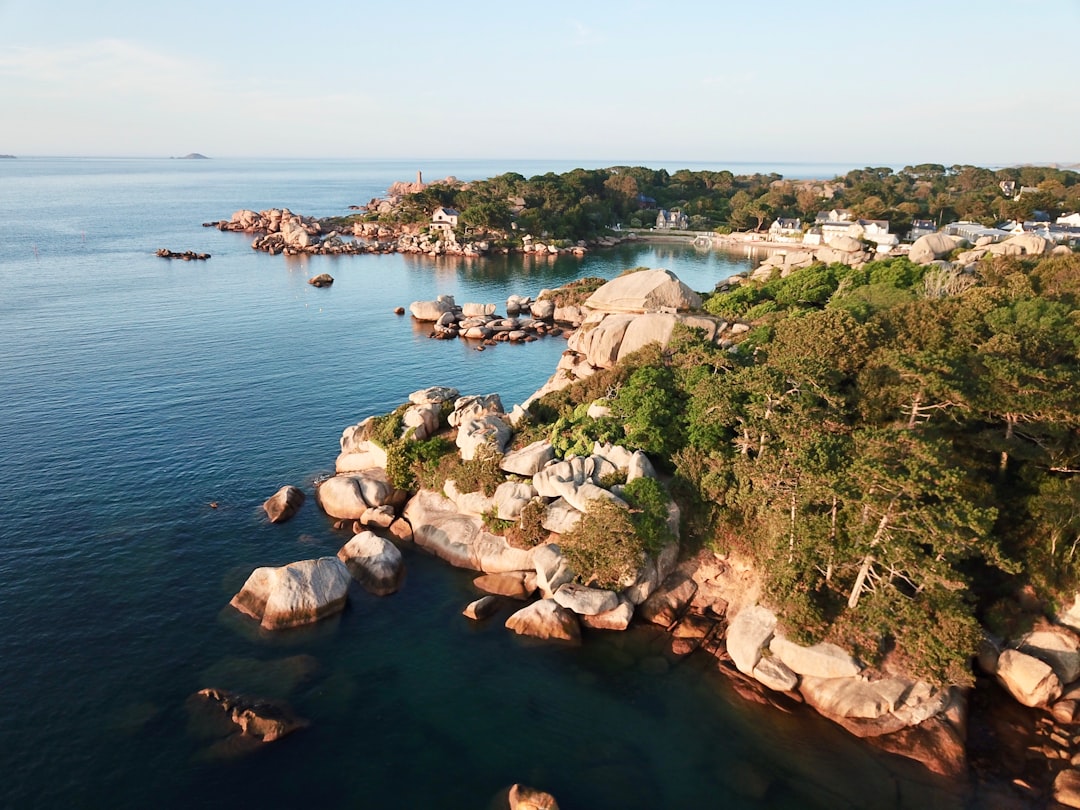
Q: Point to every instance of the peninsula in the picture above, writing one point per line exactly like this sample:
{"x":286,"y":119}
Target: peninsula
{"x":854,"y":485}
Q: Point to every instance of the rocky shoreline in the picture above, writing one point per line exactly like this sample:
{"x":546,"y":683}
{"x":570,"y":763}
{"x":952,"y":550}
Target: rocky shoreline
{"x":707,"y":603}
{"x":280,"y":231}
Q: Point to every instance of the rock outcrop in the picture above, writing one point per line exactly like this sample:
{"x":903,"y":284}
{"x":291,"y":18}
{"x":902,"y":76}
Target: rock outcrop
{"x":350,"y":495}
{"x":283,"y":504}
{"x":644,"y":291}
{"x":933,"y":246}
{"x":295,"y":594}
{"x":1031,"y":681}
{"x":529,"y":460}
{"x":545,"y":620}
{"x":460,"y":539}
{"x":374,"y":562}
{"x":487,"y":434}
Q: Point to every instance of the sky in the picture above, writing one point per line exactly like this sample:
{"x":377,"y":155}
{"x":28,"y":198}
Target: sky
{"x":989,"y":83}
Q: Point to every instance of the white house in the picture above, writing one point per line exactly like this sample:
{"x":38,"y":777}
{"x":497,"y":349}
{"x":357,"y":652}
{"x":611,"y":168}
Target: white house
{"x":877,"y":231}
{"x":444,"y":219}
{"x":835,"y":215}
{"x":1069,"y":219}
{"x":786,"y":230}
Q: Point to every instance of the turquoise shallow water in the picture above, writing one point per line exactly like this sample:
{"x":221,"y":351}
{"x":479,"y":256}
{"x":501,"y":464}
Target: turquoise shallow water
{"x":138,"y":390}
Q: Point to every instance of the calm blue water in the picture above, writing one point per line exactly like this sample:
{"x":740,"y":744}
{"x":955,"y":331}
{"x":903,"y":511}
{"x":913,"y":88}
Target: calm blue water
{"x":138,"y":390}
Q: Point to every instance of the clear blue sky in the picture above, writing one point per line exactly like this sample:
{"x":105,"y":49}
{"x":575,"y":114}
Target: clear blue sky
{"x":877,"y":83}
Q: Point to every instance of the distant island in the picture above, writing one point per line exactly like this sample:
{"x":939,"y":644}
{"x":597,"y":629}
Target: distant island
{"x":192,"y":156}
{"x":7,"y":157}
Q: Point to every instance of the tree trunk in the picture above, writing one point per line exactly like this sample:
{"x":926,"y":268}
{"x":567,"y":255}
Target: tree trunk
{"x":914,"y":410}
{"x":868,"y":560}
{"x":860,"y":581}
{"x":791,"y":531}
{"x":1010,"y":425}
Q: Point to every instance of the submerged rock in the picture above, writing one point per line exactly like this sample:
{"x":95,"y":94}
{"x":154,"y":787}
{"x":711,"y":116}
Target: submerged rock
{"x":527,"y":798}
{"x":481,"y":608}
{"x":261,"y":720}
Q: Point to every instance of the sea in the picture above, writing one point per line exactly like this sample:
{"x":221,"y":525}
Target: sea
{"x":150,"y":406}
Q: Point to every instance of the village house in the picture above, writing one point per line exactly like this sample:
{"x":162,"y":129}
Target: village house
{"x":1057,"y":232}
{"x":444,"y":219}
{"x":921,"y":227}
{"x":835,"y":215}
{"x":876,"y":231}
{"x":786,"y":230}
{"x":1069,"y":219}
{"x":672,"y":220}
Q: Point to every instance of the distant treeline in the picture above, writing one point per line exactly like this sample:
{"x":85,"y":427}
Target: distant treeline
{"x":583,"y":203}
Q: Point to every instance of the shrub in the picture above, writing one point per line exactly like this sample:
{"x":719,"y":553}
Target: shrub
{"x":481,"y":474}
{"x":576,"y":434}
{"x":649,"y":408}
{"x":411,"y":463}
{"x":576,"y":292}
{"x":529,"y":530}
{"x":649,"y":512}
{"x":386,"y":429}
{"x":604,"y":549}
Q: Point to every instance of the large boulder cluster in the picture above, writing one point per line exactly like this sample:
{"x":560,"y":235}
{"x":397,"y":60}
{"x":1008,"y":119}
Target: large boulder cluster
{"x":1040,"y":669}
{"x":627,"y":314}
{"x":451,"y":523}
{"x":866,"y":703}
{"x":279,"y":230}
{"x":937,"y":248}
{"x":480,"y":322}
{"x":439,"y":243}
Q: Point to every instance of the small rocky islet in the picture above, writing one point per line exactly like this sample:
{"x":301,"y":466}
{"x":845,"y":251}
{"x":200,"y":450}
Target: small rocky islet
{"x":706,"y":602}
{"x":281,"y":231}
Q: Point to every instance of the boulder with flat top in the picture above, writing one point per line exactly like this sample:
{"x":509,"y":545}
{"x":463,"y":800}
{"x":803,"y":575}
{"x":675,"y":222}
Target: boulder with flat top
{"x":294,"y":594}
{"x":644,"y":291}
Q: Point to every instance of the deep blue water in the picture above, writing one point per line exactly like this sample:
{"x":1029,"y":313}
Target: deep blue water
{"x":138,"y":390}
